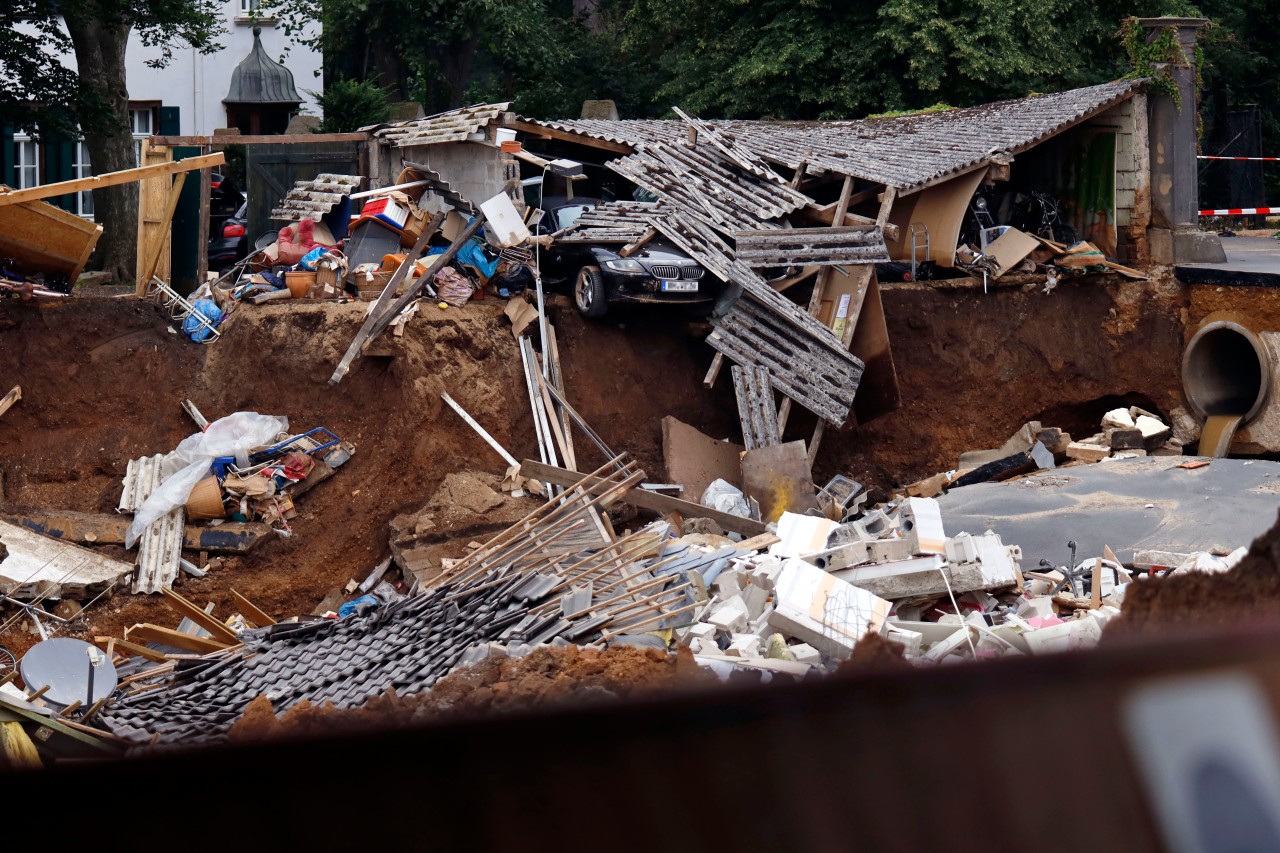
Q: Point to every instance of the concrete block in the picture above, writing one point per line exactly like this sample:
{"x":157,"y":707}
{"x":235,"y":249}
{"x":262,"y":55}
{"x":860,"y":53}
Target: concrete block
{"x":847,"y":533}
{"x":1068,"y":636}
{"x":873,"y":525}
{"x":760,"y":625}
{"x":700,"y":631}
{"x":959,"y":640}
{"x":805,"y":653}
{"x":1087,"y":452}
{"x":1117,"y":419}
{"x":884,"y":550}
{"x":755,"y":597}
{"x":1125,"y":439}
{"x":842,"y":557}
{"x":921,"y":523}
{"x":730,"y":616}
{"x":1039,"y":606}
{"x":1169,"y":448}
{"x":764,"y":572}
{"x":744,"y":646}
{"x":800,"y":535}
{"x":930,"y":632}
{"x":728,"y":584}
{"x":1186,"y":429}
{"x":1154,"y":431}
{"x":961,"y":549}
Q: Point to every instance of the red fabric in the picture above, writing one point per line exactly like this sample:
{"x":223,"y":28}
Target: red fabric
{"x":296,"y":240}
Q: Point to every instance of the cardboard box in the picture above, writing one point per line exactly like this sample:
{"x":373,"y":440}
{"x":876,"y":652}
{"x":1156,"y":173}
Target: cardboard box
{"x":413,"y":226}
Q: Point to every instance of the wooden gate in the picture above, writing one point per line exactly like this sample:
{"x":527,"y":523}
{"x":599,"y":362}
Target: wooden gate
{"x":273,"y":170}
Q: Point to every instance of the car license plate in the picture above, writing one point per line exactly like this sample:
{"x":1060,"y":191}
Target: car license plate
{"x":679,"y":287}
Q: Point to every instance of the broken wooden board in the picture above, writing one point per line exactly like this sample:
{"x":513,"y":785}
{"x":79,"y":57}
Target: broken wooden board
{"x":39,"y":237}
{"x":14,"y":395}
{"x":659,"y":503}
{"x":40,"y":566}
{"x":779,"y":479}
{"x":695,"y":460}
{"x":92,"y":529}
{"x":1010,"y":249}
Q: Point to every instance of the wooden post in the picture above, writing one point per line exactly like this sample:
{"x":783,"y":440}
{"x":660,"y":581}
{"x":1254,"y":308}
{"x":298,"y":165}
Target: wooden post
{"x":202,"y":245}
{"x":160,"y":239}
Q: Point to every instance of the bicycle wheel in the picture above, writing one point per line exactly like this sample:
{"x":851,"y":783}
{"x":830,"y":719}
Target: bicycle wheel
{"x":8,"y":663}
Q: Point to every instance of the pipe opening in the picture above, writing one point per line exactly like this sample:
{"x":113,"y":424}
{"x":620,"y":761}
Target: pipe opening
{"x":1225,"y":371}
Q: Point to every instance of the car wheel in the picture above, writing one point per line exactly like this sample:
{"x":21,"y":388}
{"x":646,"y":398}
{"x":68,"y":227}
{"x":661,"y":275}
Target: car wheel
{"x":588,"y":293}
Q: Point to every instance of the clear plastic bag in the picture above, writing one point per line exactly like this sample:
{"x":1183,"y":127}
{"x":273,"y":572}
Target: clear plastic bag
{"x":234,"y":435}
{"x":726,"y":497}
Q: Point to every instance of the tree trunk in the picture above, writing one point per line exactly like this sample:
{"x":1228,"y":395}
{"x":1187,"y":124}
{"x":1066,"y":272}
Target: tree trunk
{"x":100,"y":47}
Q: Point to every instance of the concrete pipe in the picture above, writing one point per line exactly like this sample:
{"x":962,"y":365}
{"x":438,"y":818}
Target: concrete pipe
{"x":1228,"y":373}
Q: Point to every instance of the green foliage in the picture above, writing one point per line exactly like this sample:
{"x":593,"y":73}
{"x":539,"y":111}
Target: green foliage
{"x":43,"y":96}
{"x":349,"y":105}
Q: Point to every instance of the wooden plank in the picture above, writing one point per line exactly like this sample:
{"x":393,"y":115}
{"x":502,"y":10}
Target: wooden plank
{"x":146,"y":633}
{"x":236,"y":139}
{"x":132,"y":649}
{"x":384,"y":299}
{"x":111,"y":179}
{"x":153,"y":194}
{"x":39,"y":237}
{"x":251,"y":613}
{"x":713,"y":372}
{"x":14,"y":395}
{"x":563,"y":135}
{"x":202,"y":239}
{"x":159,"y":238}
{"x":206,"y":621}
{"x":659,"y":503}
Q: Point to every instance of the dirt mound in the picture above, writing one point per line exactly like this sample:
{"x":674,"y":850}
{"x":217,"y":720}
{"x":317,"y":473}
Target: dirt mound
{"x":543,"y":678}
{"x":1248,"y":592}
{"x":102,"y":381}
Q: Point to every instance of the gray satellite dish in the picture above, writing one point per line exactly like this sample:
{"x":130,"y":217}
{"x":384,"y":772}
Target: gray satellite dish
{"x":64,"y":664}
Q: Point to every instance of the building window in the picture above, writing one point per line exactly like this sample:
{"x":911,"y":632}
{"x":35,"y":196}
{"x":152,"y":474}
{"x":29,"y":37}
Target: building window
{"x":26,"y":161}
{"x":80,"y":169}
{"x":143,"y":123}
{"x":248,"y":7}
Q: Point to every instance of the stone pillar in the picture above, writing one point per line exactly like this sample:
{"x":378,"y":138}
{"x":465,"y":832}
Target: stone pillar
{"x":1175,"y":235}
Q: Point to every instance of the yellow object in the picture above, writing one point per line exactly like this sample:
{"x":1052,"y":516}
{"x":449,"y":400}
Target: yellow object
{"x":16,"y":749}
{"x":444,"y":305}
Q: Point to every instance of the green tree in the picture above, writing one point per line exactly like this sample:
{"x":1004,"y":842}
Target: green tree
{"x":99,"y":32}
{"x":349,"y":105}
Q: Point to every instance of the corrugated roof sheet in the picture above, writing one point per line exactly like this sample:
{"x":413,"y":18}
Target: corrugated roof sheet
{"x":902,"y":151}
{"x":451,"y":126}
{"x":313,"y":199}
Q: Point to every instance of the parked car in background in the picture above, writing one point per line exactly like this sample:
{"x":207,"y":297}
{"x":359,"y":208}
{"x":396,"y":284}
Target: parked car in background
{"x":658,"y":273}
{"x":229,"y":242}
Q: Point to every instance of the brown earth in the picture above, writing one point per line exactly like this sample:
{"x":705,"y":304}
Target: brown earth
{"x":103,"y":379}
{"x":1250,"y":592}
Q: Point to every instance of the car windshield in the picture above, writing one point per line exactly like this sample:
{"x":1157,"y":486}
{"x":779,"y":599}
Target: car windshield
{"x":567,"y":215}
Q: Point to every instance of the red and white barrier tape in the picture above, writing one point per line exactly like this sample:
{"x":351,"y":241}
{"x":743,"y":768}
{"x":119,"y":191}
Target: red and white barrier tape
{"x":1262,"y":159}
{"x":1242,"y":211}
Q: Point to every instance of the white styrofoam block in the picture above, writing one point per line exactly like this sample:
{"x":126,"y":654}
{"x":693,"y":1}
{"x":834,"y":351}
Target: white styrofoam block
{"x":911,"y":641}
{"x":1069,"y":636}
{"x":801,"y":534}
{"x":823,"y":610}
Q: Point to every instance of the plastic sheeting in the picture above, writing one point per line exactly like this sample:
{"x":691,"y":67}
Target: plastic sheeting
{"x":235,"y":435}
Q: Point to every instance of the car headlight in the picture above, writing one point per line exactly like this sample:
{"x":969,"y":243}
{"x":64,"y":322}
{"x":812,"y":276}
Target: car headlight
{"x":624,"y":265}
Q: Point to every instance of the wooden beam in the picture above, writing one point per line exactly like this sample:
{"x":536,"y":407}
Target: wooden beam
{"x":158,"y":239}
{"x":111,"y":179}
{"x":14,"y":395}
{"x":565,"y":136}
{"x":235,"y":139}
{"x":659,"y":503}
{"x":251,"y":613}
{"x":202,"y":239}
{"x":131,"y":648}
{"x":206,"y":621}
{"x":145,"y":633}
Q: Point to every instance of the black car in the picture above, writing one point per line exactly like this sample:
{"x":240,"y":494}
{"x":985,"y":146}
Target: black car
{"x":659,"y":272}
{"x":229,"y":241}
